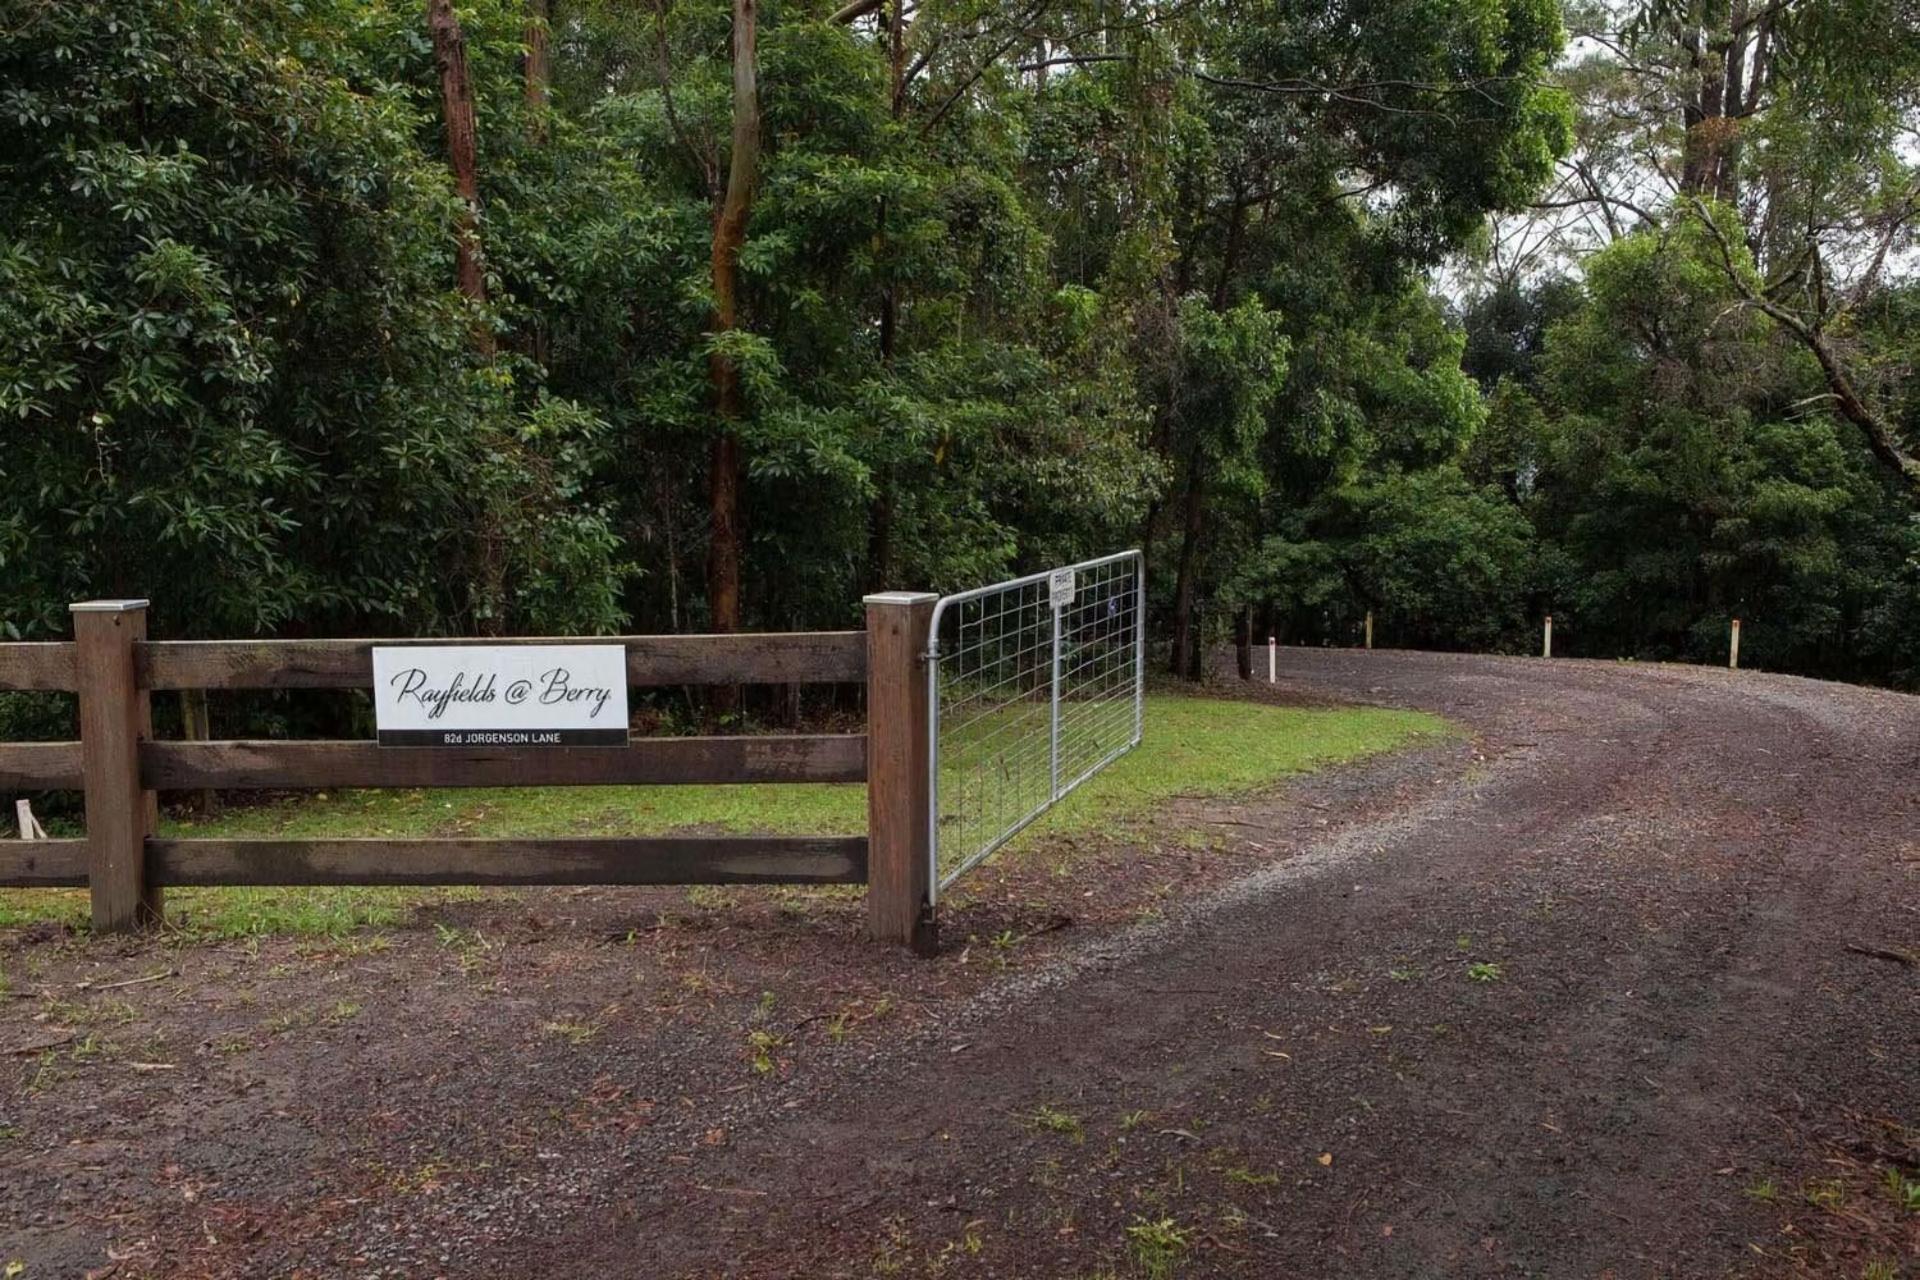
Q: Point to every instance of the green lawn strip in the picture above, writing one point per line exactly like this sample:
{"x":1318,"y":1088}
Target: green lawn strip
{"x":1193,"y":747}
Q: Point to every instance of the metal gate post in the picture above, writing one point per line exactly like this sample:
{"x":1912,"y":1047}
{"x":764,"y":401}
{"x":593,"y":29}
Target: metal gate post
{"x":1053,"y":727}
{"x":1139,"y":648}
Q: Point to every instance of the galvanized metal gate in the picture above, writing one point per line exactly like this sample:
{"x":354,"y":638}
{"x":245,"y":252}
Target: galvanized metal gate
{"x":1035,"y":685}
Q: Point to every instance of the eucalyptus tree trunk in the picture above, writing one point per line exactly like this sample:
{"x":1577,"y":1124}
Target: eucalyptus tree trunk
{"x":880,"y":521}
{"x":491,"y":538}
{"x":456,"y":104}
{"x":729,"y":232}
{"x":538,"y":76}
{"x":1186,"y":656}
{"x":539,"y":71}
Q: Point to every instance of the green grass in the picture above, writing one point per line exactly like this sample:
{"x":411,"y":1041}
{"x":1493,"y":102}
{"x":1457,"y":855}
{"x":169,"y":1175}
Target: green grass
{"x":1192,"y":747}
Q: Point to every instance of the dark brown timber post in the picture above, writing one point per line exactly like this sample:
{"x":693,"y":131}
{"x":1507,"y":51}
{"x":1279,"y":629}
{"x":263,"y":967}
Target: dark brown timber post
{"x":115,"y":718}
{"x":899,"y":793}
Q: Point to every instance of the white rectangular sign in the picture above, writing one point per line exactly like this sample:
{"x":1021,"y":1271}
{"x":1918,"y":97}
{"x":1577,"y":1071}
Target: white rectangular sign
{"x":509,"y":695}
{"x":1060,"y":584}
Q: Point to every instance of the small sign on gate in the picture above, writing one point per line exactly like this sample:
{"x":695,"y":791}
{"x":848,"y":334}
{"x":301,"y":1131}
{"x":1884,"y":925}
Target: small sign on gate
{"x":522,"y":695}
{"x":1060,"y":588}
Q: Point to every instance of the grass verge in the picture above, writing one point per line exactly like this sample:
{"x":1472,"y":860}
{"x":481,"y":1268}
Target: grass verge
{"x":1192,"y":747}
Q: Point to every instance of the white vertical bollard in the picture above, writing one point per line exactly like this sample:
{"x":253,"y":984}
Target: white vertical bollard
{"x":1733,"y":647}
{"x":1271,"y":660}
{"x":1546,"y":638}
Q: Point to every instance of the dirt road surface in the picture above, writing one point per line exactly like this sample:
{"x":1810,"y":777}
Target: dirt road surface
{"x":1618,"y":985}
{"x":1591,"y":1007}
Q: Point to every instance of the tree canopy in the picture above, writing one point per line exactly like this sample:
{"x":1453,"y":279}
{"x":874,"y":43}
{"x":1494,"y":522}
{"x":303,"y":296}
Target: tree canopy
{"x":550,"y":316}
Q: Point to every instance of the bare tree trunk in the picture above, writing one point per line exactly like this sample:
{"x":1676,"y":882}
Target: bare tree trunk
{"x":1243,"y":642}
{"x":1197,"y":651}
{"x":1733,"y":99}
{"x":729,"y":232}
{"x":539,"y":68}
{"x":196,"y":725}
{"x":456,"y":99}
{"x":1230,"y":254}
{"x":880,"y":513}
{"x":1185,"y":644}
{"x":489,"y":595}
{"x":880,"y":518}
{"x":535,"y":339}
{"x":1709,"y":44}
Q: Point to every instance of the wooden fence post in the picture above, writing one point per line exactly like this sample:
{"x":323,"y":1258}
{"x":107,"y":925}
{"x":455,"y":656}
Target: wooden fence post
{"x":899,"y":792}
{"x":1369,"y":628}
{"x":1546,"y":640}
{"x":115,"y":718}
{"x":1733,"y":647}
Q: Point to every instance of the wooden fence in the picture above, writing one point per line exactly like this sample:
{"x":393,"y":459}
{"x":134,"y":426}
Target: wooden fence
{"x":120,"y":767}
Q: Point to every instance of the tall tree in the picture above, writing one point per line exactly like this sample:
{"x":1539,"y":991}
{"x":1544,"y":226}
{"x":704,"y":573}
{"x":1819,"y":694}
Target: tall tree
{"x":1767,"y":124}
{"x":729,"y":233}
{"x":456,"y":110}
{"x":539,"y":68}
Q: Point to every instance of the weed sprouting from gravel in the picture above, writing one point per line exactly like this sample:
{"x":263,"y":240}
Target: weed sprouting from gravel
{"x":572,"y":1030}
{"x":761,"y":1044}
{"x":1825,"y":1193}
{"x":1157,"y":1245}
{"x":1485,"y":971}
{"x":1053,"y":1120}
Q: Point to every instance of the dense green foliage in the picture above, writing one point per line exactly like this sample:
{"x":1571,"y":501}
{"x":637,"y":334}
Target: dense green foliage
{"x":231,"y":371}
{"x":1676,"y":480}
{"x":1019,"y":283}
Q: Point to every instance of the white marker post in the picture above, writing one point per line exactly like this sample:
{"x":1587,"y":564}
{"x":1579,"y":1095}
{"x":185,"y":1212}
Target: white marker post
{"x":1270,"y":659}
{"x":1733,"y":648}
{"x":1546,"y":640}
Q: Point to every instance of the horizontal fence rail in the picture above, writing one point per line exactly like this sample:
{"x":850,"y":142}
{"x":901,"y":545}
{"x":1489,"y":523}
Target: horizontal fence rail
{"x":40,"y":766}
{"x":39,"y":666}
{"x":43,"y":864}
{"x":171,"y":864}
{"x":276,"y":765}
{"x":609,"y":860}
{"x":264,"y":765}
{"x":808,"y":657}
{"x":120,"y":767}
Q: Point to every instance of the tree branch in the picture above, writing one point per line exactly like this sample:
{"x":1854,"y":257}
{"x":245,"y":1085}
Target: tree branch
{"x":1880,"y":437}
{"x":854,"y":9}
{"x":708,"y":162}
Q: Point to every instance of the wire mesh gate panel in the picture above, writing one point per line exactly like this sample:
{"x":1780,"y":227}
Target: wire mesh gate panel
{"x":1034,"y":685}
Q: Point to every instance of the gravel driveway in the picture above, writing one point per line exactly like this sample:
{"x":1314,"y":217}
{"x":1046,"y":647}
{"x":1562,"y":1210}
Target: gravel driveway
{"x":1624,"y":998}
{"x":1621,"y":985}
